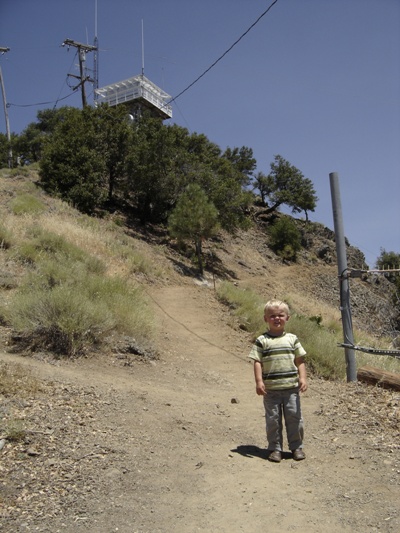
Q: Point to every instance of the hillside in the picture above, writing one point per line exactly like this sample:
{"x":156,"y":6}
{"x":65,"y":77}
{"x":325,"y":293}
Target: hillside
{"x":117,"y":442}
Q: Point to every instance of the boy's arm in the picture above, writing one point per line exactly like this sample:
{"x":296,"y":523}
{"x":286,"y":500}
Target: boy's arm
{"x":260,"y":387}
{"x":301,"y":367}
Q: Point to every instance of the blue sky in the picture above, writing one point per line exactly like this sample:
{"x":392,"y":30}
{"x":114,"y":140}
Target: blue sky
{"x":316,"y":81}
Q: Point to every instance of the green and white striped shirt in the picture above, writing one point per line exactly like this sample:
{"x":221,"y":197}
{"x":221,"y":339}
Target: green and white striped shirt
{"x":277,"y":356}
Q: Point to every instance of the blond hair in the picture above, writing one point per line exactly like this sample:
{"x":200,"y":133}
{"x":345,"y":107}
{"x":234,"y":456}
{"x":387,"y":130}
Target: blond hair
{"x":274,"y":304}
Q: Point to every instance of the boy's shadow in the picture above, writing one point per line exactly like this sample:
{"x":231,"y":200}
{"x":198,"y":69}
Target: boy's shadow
{"x":249,"y":450}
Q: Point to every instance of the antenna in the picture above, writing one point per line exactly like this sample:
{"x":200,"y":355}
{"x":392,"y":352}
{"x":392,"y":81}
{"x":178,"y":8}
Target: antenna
{"x":96,"y":56}
{"x":142,"y":49}
{"x":95,"y":18}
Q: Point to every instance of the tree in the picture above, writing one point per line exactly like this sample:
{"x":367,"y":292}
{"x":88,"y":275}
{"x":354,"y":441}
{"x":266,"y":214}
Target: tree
{"x":388,"y":260}
{"x":3,"y":150}
{"x":391,"y":260}
{"x":262,"y":183}
{"x":286,"y":185}
{"x":243,"y":161}
{"x":194,"y":218}
{"x":72,"y":165}
{"x":222,"y":177}
{"x":94,"y":154}
{"x":29,"y":144}
{"x":156,"y":165}
{"x":164,"y":160}
{"x":84,"y":155}
{"x":114,"y":131}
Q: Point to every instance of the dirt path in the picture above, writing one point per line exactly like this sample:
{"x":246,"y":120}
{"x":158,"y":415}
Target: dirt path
{"x":178,"y":444}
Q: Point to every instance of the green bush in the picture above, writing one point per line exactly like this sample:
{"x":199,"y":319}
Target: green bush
{"x":61,"y":320}
{"x":42,"y":244}
{"x":68,"y":315}
{"x":245,"y":305}
{"x":66,"y":303}
{"x":285,"y":238}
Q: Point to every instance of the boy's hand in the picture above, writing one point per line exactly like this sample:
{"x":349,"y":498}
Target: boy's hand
{"x":303,"y":385}
{"x":301,"y":367}
{"x":260,"y":388}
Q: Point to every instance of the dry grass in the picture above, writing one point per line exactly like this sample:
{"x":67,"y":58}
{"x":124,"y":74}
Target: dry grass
{"x":17,"y":381}
{"x":73,"y":239}
{"x":136,"y":260}
{"x":100,"y":238}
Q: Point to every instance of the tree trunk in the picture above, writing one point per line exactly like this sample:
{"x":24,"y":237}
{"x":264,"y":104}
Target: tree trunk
{"x":199,"y":255}
{"x":268,"y":210}
{"x":376,"y":376}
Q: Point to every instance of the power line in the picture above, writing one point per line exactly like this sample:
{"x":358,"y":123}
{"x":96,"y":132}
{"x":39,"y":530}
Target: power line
{"x":90,"y":48}
{"x":224,"y":54}
{"x":43,"y":103}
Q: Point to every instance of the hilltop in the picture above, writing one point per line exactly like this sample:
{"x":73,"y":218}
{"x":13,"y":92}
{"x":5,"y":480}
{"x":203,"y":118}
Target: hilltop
{"x":118,"y":442}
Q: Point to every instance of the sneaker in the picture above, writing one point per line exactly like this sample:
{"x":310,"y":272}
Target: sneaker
{"x":298,"y":455}
{"x":275,"y":456}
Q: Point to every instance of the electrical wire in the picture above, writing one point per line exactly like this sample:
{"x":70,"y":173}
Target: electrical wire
{"x":224,"y":54}
{"x":189,"y":86}
{"x":42,"y":103}
{"x":55,"y":102}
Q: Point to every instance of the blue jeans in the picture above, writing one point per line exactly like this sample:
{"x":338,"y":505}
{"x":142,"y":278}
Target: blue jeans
{"x":285,"y":404}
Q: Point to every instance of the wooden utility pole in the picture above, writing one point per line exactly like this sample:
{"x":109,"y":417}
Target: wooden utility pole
{"x":3,"y":50}
{"x":351,"y":369}
{"x":82,"y":49}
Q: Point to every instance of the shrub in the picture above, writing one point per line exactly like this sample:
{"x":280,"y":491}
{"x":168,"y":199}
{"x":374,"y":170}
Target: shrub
{"x":285,"y":238}
{"x":246,"y":306}
{"x":15,"y":380}
{"x":68,"y":317}
{"x":42,"y":244}
{"x":15,"y":431}
{"x":66,"y":303}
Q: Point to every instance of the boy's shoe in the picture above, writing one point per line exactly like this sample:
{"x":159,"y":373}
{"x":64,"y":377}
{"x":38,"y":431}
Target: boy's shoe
{"x":298,"y":455}
{"x":275,"y":456}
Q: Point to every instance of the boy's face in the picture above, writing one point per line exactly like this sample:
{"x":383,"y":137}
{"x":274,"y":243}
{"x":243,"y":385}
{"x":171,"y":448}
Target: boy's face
{"x":276,"y":319}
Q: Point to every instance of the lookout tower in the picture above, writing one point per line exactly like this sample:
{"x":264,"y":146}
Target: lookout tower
{"x":137,"y":94}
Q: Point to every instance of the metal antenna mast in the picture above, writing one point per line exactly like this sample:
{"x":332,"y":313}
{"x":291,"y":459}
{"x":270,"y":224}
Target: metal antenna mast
{"x":142,"y":49}
{"x":96,"y":57}
{"x":3,"y":50}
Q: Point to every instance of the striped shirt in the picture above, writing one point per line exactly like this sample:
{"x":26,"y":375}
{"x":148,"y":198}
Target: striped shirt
{"x":277,"y":356}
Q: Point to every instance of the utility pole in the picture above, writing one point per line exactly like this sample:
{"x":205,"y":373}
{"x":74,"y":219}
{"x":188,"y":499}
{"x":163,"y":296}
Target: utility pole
{"x":351,"y":370}
{"x":82,"y":49}
{"x":3,"y":50}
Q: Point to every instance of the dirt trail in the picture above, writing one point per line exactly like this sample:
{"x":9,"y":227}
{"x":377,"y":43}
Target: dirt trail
{"x":178,"y":444}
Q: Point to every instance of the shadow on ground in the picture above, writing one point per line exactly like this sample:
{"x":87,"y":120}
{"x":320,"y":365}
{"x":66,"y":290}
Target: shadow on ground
{"x":249,"y":450}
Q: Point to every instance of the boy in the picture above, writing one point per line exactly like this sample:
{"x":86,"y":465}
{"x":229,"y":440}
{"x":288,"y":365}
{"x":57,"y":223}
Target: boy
{"x":280,"y":376}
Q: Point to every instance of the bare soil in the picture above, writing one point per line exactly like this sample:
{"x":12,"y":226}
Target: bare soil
{"x":121,"y":443}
